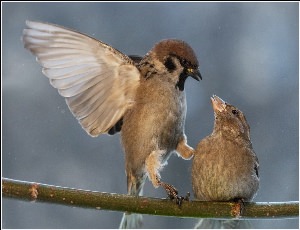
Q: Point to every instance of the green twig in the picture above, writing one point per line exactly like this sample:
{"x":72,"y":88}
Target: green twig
{"x":31,"y":191}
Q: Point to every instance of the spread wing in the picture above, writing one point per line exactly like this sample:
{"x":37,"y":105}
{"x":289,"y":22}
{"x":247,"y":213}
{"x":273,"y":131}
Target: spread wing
{"x":98,"y":82}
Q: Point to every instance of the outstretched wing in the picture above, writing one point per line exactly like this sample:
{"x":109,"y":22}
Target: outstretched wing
{"x":98,"y":82}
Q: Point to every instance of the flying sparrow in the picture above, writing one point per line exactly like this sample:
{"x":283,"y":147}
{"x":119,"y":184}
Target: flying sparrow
{"x":108,"y":92}
{"x":225,"y":166}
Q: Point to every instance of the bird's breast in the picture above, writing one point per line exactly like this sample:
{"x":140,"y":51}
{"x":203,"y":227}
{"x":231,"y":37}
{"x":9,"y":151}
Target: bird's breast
{"x":157,"y":116}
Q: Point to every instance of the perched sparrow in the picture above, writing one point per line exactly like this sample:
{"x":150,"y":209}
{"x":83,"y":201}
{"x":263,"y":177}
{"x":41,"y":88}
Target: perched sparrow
{"x":109,"y":92}
{"x":225,"y":166}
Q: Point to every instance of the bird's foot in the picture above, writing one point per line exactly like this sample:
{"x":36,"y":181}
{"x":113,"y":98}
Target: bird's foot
{"x":238,"y":208}
{"x":181,"y":198}
{"x":173,"y":193}
{"x":187,"y":196}
{"x":170,"y":189}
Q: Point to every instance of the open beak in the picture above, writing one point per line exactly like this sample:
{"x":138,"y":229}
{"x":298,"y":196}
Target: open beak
{"x":218,"y":104}
{"x":194,"y":73}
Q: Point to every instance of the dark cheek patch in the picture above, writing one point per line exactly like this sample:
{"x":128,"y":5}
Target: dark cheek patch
{"x":169,"y":64}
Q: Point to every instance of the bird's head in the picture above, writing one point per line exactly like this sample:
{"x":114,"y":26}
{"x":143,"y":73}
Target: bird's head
{"x":178,"y":59}
{"x":229,"y":119}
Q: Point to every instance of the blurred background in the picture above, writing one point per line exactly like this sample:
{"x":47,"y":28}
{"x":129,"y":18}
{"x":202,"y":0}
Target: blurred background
{"x":248,"y":55}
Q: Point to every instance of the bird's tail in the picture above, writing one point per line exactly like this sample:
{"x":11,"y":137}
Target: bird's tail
{"x":135,"y":187}
{"x":130,"y":221}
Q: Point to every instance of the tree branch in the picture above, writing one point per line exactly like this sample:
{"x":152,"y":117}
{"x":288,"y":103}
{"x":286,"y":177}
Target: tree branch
{"x":31,"y":191}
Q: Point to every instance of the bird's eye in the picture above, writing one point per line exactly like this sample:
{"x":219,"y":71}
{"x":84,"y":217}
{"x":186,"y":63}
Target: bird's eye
{"x":235,"y":112}
{"x":185,"y":63}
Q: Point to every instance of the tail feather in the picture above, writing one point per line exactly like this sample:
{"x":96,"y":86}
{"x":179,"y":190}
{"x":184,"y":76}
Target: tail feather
{"x":130,"y":221}
{"x":135,"y":188}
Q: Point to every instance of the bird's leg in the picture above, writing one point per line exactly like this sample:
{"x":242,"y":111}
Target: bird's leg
{"x":173,"y":193}
{"x":170,"y":189}
{"x":153,"y":165}
{"x":184,"y":150}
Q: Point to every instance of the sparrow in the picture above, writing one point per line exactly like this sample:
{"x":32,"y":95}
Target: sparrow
{"x":225,"y":166}
{"x":110,"y":92}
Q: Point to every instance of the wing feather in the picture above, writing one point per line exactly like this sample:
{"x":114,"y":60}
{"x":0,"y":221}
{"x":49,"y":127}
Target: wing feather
{"x":98,"y":82}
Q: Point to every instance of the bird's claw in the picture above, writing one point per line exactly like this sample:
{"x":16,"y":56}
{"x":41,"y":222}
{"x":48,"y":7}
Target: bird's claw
{"x":181,"y":198}
{"x":187,"y":196}
{"x":173,"y":193}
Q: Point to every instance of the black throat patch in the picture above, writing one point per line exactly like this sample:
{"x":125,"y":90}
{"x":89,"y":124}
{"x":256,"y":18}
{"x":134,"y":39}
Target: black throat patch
{"x":181,"y":81}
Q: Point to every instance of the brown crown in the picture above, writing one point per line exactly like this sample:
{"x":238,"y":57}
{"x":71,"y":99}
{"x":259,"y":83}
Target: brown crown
{"x":177,"y":48}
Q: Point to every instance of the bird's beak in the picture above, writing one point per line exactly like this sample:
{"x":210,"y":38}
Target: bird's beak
{"x":194,"y":73}
{"x":218,"y":104}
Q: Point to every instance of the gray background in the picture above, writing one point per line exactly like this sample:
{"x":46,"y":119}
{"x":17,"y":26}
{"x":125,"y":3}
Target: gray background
{"x":248,"y":55}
